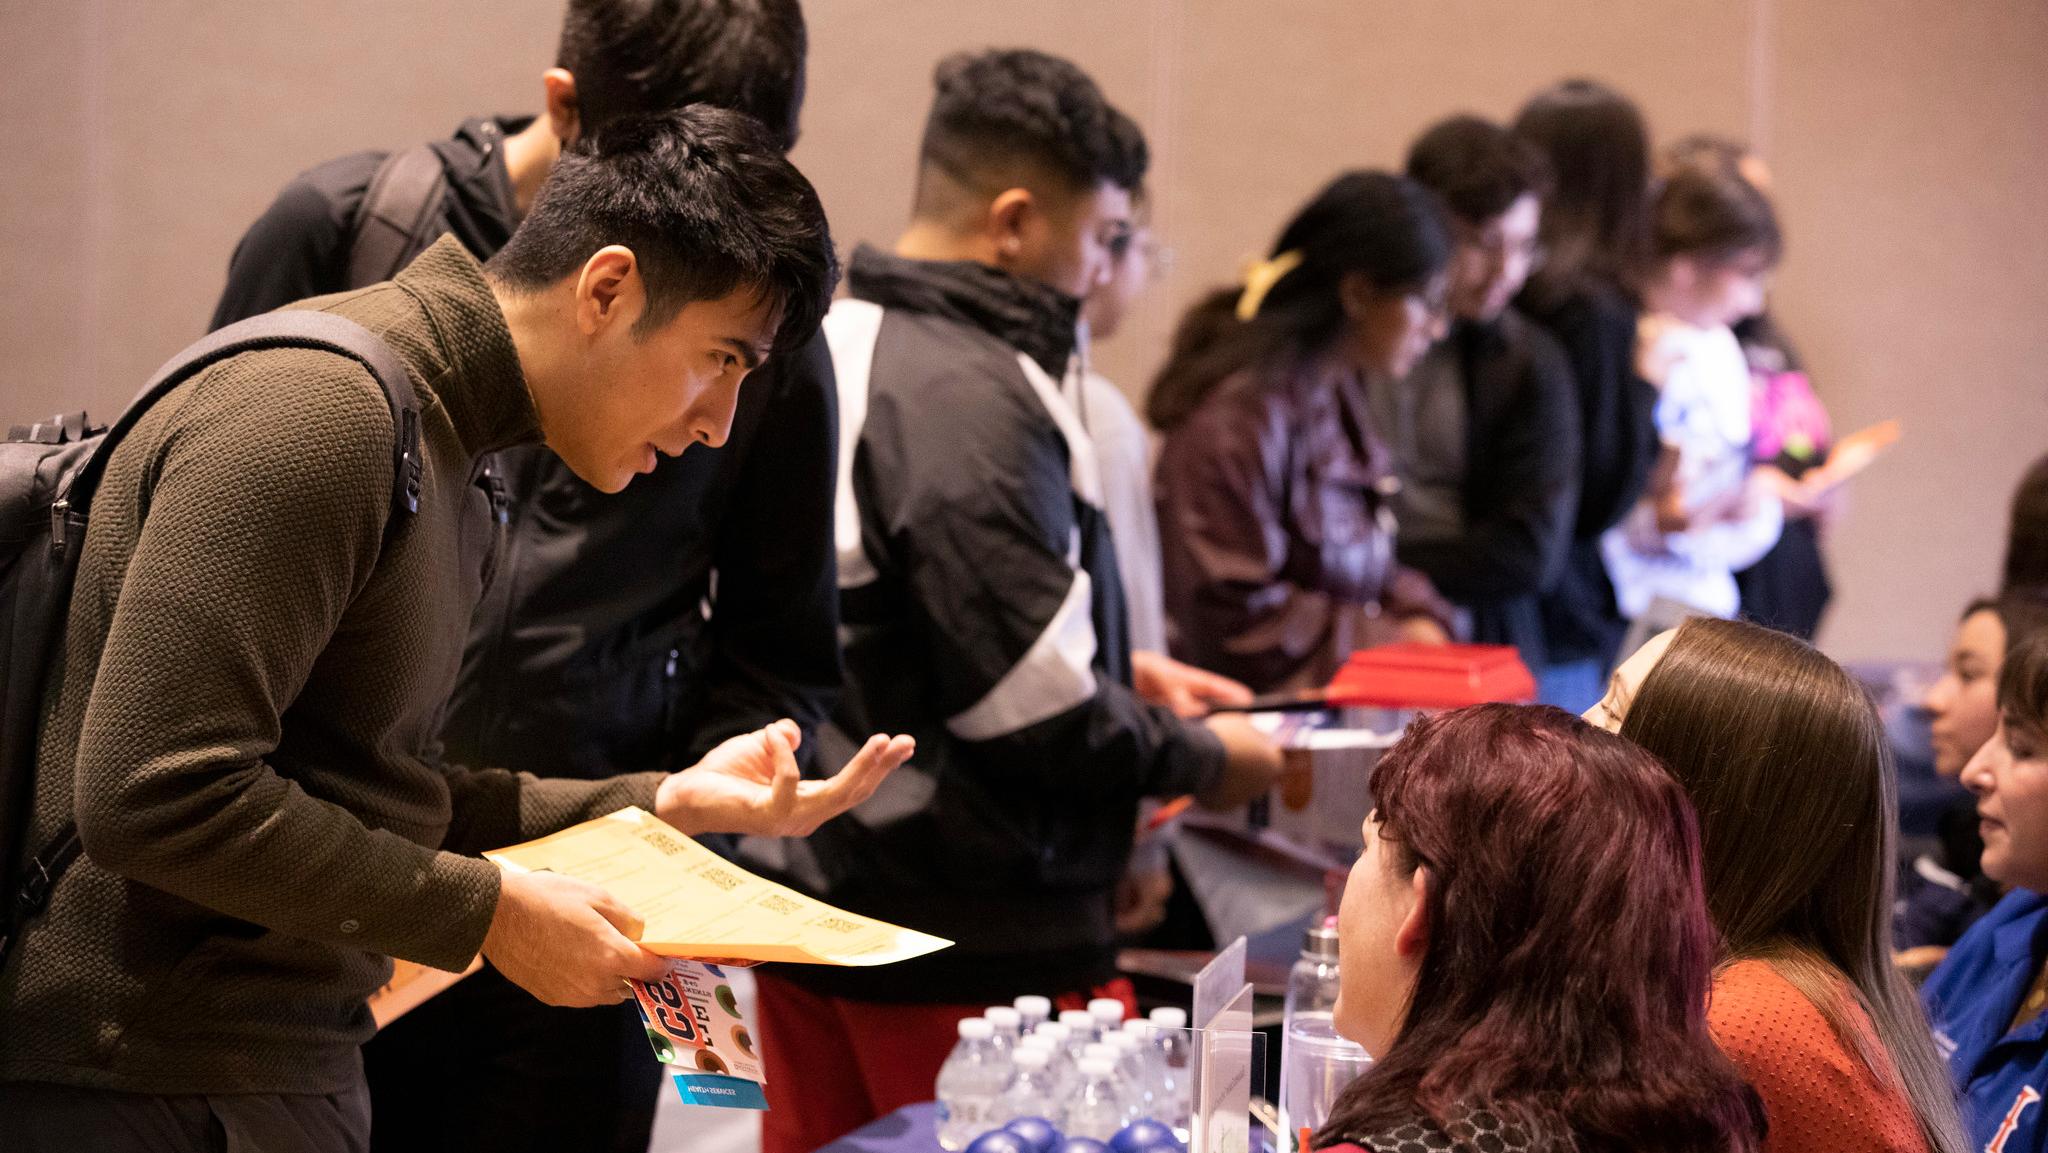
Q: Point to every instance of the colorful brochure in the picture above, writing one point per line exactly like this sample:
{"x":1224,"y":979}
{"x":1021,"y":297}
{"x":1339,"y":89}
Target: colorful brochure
{"x":702,"y":1035}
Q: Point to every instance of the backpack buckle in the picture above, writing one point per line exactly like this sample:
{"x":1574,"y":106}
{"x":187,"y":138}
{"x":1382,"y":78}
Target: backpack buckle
{"x":34,"y":894}
{"x":409,"y":452}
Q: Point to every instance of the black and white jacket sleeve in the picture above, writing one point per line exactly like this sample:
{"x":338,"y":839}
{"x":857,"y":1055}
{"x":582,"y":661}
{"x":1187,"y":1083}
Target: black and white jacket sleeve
{"x":970,"y":524}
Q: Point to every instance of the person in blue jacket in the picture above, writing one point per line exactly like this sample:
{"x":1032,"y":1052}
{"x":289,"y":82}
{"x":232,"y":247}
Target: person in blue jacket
{"x":1987,"y":999}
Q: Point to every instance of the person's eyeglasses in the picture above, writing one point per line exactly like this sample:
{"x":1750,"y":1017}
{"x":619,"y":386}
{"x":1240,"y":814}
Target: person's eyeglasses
{"x":1437,"y":296}
{"x":1496,"y":247}
{"x":1117,"y":237}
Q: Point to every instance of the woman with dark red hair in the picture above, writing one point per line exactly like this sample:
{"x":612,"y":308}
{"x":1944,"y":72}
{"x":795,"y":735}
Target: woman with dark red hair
{"x":1527,"y":951}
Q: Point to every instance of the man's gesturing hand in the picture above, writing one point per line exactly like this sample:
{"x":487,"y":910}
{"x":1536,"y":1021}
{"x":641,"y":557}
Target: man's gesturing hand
{"x":566,"y":942}
{"x":750,"y":784}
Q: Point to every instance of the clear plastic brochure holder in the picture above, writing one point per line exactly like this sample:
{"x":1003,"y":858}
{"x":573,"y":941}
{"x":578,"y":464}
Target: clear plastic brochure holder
{"x":1228,"y":1057}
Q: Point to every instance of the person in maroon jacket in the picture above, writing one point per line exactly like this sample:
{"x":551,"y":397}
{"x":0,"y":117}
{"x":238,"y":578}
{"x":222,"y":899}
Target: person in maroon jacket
{"x":1274,"y":489}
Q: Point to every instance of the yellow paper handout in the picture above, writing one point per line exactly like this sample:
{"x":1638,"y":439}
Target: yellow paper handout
{"x":697,"y":904}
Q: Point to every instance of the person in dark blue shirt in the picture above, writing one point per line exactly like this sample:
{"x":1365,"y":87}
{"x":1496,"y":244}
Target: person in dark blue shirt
{"x":1987,"y":999}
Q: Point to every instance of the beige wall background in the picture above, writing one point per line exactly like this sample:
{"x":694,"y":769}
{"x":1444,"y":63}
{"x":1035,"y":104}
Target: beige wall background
{"x":1910,"y":142}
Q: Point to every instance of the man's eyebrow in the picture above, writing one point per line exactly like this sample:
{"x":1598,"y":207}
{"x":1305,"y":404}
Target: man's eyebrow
{"x":750,"y":354}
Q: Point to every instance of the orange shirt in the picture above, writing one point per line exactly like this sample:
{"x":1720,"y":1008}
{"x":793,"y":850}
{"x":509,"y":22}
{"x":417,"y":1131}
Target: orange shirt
{"x":1818,"y":1095}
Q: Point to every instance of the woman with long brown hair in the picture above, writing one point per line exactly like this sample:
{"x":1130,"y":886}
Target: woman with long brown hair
{"x":1527,"y":950}
{"x":1595,"y":236}
{"x":1785,"y":759}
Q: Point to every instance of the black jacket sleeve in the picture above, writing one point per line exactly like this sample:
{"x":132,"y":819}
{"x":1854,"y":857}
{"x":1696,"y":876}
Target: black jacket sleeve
{"x":971,"y":504}
{"x":1525,"y":486}
{"x":299,"y":246}
{"x":775,"y":623}
{"x":1619,"y":439}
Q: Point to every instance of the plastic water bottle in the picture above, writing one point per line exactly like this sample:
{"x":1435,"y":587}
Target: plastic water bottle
{"x":1082,"y":1022}
{"x":1143,"y":1035}
{"x":1134,"y":1072}
{"x":1061,"y":1037}
{"x":1008,"y":1024}
{"x":969,"y":1083}
{"x":1073,"y":1042}
{"x":1109,"y":1052}
{"x":1176,"y":1100}
{"x":1316,"y":1064}
{"x":1096,"y":1108}
{"x":1055,"y":1037}
{"x":1108,"y":1013}
{"x":1008,"y":1020}
{"x":1032,"y":1092}
{"x":1034,"y":1009}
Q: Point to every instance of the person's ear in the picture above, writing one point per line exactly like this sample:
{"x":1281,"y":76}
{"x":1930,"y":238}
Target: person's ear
{"x":1411,"y":940}
{"x":610,"y":291}
{"x":1009,"y":216}
{"x":1356,"y":294}
{"x":559,"y":89}
{"x":1683,"y":274}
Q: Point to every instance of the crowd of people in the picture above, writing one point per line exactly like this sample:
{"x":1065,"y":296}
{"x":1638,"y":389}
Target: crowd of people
{"x":919,"y":625}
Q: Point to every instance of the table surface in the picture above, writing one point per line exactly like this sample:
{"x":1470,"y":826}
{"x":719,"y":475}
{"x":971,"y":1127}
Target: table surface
{"x":911,"y":1129}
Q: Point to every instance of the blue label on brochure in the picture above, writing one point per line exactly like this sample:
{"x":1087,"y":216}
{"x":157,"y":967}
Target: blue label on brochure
{"x":720,"y":1090}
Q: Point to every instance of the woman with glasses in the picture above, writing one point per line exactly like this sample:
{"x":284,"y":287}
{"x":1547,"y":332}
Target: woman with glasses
{"x":1273,"y":487}
{"x":1485,"y":430}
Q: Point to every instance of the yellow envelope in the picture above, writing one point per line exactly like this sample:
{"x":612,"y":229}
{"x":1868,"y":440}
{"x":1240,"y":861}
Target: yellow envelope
{"x":697,"y":904}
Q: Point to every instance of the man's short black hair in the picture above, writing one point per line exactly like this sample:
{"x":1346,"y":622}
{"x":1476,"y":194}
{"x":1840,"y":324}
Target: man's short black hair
{"x":996,"y":110}
{"x":707,"y":202}
{"x":1477,"y":168}
{"x":634,"y":56}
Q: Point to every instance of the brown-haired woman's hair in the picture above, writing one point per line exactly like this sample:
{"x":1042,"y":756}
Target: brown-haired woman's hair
{"x":1713,"y":213}
{"x":1594,"y":227}
{"x":1788,"y":766}
{"x":1564,"y":984}
{"x":2023,"y":688}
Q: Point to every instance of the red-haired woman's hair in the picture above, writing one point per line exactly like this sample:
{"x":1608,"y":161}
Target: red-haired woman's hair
{"x":1564,"y":984}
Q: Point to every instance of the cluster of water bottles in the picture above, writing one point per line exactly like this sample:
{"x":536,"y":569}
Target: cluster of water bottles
{"x":1021,"y":1082}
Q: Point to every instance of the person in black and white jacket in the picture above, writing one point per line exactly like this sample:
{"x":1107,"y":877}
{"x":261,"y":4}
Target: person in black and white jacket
{"x":982,"y":611}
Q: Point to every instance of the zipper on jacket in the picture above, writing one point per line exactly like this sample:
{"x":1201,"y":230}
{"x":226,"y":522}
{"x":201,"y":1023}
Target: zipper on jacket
{"x":495,"y":699}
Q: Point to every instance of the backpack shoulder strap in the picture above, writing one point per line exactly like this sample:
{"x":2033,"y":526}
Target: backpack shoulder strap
{"x":289,"y":328}
{"x":399,"y":216}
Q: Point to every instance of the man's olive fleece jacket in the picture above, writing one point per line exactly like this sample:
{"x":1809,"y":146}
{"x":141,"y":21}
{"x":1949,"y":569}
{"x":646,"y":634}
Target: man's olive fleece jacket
{"x":245,"y":721}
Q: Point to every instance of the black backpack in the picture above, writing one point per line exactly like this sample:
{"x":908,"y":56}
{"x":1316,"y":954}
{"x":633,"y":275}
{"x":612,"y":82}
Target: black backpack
{"x":400,"y":216}
{"x":48,"y":474}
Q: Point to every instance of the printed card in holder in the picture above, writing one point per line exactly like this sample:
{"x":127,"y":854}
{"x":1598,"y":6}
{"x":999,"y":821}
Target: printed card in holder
{"x":702,"y":1035}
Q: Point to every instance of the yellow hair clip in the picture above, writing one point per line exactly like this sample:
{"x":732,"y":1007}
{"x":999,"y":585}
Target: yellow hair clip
{"x":1260,"y":278}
